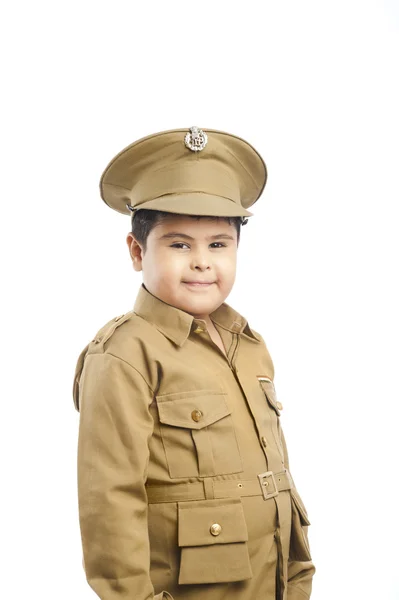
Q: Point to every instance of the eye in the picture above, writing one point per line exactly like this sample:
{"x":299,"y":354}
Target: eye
{"x":178,"y":244}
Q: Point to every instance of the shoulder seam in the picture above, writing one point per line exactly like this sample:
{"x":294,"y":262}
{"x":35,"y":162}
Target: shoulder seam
{"x":109,"y":328}
{"x":132,"y":367}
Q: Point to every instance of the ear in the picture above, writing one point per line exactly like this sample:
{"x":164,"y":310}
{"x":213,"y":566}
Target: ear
{"x":135,"y":251}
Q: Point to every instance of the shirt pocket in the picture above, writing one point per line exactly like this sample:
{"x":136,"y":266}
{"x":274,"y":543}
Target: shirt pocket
{"x":299,"y":540}
{"x":213,"y":538}
{"x":275,"y":408}
{"x":269,"y":390}
{"x":198,"y":434}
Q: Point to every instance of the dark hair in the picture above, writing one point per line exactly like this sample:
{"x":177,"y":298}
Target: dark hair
{"x":144,"y":220}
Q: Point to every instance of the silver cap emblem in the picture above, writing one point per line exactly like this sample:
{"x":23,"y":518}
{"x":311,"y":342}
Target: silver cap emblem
{"x":196,"y":139}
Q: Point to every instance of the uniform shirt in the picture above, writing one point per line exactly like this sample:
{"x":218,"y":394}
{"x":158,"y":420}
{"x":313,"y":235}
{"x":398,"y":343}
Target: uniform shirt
{"x":184,"y":487}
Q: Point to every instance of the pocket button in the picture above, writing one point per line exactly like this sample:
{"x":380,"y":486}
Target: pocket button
{"x":216,"y":529}
{"x":196,"y":415}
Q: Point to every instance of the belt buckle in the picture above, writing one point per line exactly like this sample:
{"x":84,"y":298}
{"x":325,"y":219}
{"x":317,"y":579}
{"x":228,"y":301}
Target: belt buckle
{"x":264,"y":484}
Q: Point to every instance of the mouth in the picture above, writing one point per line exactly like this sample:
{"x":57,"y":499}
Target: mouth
{"x":199,"y":283}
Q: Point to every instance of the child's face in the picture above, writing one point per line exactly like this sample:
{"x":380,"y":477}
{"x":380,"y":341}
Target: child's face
{"x":173,"y":259}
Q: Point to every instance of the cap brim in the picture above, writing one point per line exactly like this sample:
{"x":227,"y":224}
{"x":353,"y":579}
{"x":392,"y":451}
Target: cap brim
{"x":196,"y":203}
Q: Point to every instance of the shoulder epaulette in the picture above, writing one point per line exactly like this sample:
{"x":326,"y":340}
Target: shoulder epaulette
{"x":108,"y":329}
{"x":100,"y":338}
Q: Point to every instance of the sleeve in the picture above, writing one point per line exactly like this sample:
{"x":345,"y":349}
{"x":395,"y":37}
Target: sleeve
{"x":113,"y":453}
{"x":300,"y":573}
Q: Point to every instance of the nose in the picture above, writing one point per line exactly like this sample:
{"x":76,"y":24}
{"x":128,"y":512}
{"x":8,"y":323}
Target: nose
{"x":200,"y":260}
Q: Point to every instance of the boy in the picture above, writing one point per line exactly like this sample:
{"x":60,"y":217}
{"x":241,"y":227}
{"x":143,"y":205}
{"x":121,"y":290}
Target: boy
{"x":183,"y":475}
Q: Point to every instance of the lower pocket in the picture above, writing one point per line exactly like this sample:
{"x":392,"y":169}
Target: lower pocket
{"x":299,"y":542}
{"x":213,"y":538}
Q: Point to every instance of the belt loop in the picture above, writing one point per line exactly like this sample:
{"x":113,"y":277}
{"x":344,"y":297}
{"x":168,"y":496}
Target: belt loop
{"x":208,"y":488}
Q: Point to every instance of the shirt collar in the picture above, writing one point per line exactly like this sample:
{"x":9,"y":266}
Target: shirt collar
{"x":176,"y":324}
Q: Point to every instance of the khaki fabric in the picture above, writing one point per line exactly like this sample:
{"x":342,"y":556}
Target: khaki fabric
{"x":184,"y":485}
{"x":159,"y":172}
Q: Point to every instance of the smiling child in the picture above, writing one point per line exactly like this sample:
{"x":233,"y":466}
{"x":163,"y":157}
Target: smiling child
{"x":184,"y":485}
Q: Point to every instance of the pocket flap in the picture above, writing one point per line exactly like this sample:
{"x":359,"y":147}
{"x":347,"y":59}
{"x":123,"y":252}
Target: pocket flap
{"x":198,"y":519}
{"x":270,"y":393}
{"x":303,"y":515}
{"x":194,"y":410}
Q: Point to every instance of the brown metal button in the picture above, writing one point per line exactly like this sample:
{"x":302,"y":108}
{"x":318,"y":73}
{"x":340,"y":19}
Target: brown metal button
{"x":264,"y":441}
{"x":216,"y":529}
{"x":196,"y":415}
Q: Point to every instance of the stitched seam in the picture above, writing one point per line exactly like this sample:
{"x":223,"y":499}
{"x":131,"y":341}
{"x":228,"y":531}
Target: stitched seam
{"x":305,"y":594}
{"x":131,"y":366}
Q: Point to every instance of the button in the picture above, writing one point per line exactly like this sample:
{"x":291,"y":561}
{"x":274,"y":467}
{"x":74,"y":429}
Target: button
{"x":199,"y":326}
{"x":216,"y":529}
{"x":264,"y":441}
{"x":117,"y":318}
{"x":279,"y":405}
{"x":196,"y":415}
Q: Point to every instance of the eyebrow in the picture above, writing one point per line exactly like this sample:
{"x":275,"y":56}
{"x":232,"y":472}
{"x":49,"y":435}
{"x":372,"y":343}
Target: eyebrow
{"x":173,"y":234}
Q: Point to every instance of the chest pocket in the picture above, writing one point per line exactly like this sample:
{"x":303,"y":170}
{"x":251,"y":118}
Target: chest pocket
{"x":268,"y":387}
{"x":198,"y":434}
{"x":275,"y":408}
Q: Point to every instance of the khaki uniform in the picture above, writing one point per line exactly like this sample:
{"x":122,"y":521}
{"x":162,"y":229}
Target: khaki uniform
{"x":183,"y":474}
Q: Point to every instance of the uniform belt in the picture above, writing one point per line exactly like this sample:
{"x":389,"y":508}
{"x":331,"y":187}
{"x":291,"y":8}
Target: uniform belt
{"x":267,"y":484}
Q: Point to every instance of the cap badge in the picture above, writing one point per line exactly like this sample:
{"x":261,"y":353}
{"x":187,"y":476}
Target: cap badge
{"x":196,"y":139}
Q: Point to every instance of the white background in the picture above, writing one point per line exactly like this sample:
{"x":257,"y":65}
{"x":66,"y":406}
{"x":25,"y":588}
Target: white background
{"x":314,"y":87}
